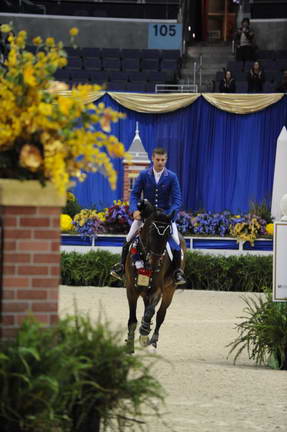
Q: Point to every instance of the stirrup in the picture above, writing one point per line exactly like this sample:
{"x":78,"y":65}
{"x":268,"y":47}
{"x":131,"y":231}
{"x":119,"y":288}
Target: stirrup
{"x":117,"y":271}
{"x":178,"y":277}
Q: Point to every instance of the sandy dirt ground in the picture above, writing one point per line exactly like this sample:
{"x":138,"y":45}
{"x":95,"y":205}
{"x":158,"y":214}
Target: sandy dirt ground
{"x":206,"y":392}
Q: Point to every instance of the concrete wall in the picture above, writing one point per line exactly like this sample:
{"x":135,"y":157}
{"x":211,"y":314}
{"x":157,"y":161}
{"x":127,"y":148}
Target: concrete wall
{"x":93,"y":32}
{"x":270,"y":34}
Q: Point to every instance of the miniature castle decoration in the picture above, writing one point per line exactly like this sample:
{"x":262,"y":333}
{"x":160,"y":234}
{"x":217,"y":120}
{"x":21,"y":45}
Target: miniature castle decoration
{"x":138,"y":162}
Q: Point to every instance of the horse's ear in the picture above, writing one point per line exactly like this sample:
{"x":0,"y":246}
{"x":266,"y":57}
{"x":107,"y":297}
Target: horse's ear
{"x":171,"y":215}
{"x":146,"y":208}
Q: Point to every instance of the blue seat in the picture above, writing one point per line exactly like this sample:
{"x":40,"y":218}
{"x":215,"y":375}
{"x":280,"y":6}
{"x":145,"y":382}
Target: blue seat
{"x":131,"y":53}
{"x":170,"y":54}
{"x":73,"y":52}
{"x":156,"y":77}
{"x":117,"y":85}
{"x":113,"y":53}
{"x":150,"y":64}
{"x":99,"y":77}
{"x":136,"y":86}
{"x":118,"y":76}
{"x":130,"y":64}
{"x":241,"y":87}
{"x":93,"y":63}
{"x":151,"y":54}
{"x":137,"y":76}
{"x":62,"y":75}
{"x":79,"y":75}
{"x":168,"y":65}
{"x":111,"y":64}
{"x":75,"y":62}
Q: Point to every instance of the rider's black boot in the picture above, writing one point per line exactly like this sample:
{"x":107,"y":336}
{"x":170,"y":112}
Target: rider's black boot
{"x":118,"y":269}
{"x":178,"y":274}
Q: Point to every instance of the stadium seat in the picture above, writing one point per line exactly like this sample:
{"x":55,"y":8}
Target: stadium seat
{"x":75,"y":62}
{"x":131,"y":53}
{"x":130,"y":64}
{"x":111,"y":53}
{"x":93,"y":63}
{"x":99,"y":77}
{"x":137,"y":76}
{"x":111,"y":64}
{"x":116,"y":85}
{"x":150,"y":64}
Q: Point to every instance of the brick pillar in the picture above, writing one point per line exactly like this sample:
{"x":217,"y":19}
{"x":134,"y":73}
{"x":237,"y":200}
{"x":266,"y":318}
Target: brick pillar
{"x":31,"y":263}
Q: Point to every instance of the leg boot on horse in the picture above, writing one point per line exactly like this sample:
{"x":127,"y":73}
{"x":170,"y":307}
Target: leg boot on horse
{"x":118,"y":269}
{"x":178,"y":274}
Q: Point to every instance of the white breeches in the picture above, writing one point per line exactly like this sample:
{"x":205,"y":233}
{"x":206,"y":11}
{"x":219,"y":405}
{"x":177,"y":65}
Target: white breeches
{"x":137,"y":224}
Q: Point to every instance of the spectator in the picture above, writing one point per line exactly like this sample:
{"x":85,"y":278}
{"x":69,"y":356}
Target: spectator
{"x":255,"y":78}
{"x":282,"y":87}
{"x":227,"y":84}
{"x":244,"y":42}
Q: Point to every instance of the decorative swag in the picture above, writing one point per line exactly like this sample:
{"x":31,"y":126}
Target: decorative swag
{"x":163,"y":103}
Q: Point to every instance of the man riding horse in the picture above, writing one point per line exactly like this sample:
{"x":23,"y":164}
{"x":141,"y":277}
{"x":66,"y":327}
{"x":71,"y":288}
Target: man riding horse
{"x":161,"y":188}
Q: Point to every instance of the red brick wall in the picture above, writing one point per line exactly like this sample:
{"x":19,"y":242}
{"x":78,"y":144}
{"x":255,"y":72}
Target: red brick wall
{"x":31,"y":265}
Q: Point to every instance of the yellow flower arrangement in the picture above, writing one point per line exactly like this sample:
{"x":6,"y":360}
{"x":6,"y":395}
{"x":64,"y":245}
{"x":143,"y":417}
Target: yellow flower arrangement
{"x":270,"y":228}
{"x":246,"y":231}
{"x":46,"y":132}
{"x":66,"y":223}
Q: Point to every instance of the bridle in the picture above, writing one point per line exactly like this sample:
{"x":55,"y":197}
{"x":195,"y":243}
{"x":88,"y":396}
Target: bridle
{"x":162,"y":229}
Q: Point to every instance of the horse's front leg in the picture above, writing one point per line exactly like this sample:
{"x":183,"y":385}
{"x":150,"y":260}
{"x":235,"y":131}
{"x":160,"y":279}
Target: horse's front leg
{"x":150,"y":303}
{"x":160,"y":316}
{"x":132,"y":322}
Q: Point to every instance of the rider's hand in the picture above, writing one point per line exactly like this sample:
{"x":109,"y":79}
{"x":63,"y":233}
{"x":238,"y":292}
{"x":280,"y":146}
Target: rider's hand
{"x":137,"y":215}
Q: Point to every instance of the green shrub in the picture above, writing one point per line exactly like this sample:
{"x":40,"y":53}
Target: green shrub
{"x":262,"y":332}
{"x":203,"y":272}
{"x":72,"y":207}
{"x":92,"y":268}
{"x":70,"y":377}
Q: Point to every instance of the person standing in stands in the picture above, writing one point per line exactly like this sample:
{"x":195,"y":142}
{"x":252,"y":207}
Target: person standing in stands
{"x":160,"y":187}
{"x":244,"y":41}
{"x":255,"y":78}
{"x":227,"y":84}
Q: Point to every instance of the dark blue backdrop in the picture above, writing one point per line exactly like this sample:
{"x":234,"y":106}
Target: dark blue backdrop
{"x":223,"y":160}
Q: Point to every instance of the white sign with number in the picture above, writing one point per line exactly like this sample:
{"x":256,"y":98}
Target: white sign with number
{"x":280,"y":262}
{"x":164,"y":36}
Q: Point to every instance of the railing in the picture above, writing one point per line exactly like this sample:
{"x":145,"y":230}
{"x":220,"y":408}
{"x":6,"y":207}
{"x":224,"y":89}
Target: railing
{"x":176,"y":88}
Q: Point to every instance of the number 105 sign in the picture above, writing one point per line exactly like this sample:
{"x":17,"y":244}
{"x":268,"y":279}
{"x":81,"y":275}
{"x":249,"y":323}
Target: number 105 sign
{"x":164,"y":36}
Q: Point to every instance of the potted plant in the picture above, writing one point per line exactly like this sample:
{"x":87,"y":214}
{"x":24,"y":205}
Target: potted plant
{"x":262,"y":332}
{"x":74,"y":377}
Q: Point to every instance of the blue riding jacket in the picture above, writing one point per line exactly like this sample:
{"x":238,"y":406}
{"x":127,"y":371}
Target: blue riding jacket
{"x":165,"y":195}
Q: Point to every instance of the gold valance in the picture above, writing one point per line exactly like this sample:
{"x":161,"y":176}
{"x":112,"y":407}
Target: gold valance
{"x":242,"y":103}
{"x":156,"y":103}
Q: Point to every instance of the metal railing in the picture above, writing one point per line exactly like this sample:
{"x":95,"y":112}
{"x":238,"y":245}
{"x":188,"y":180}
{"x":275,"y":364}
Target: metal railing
{"x":176,"y":88}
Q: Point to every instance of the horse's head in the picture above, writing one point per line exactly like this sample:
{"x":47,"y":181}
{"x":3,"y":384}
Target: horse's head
{"x":156,"y":231}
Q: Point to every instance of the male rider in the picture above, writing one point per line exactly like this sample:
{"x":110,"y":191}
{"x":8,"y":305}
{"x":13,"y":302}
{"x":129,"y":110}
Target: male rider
{"x":161,"y":188}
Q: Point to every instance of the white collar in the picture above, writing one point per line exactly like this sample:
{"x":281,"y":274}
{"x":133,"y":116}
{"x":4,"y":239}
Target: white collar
{"x":158,"y":173}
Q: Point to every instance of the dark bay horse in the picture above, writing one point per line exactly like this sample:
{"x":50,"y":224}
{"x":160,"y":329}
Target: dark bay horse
{"x":157,"y":283}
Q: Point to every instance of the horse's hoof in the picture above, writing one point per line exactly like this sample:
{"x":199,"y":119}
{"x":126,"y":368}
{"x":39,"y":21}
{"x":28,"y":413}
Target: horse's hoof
{"x":152,"y":349}
{"x":144,"y":340}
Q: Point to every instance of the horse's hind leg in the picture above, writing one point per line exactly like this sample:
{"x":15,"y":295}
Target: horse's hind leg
{"x":132,"y":322}
{"x":160,"y":316}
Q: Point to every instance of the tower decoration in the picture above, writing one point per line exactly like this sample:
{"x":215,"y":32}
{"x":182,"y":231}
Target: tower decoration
{"x":138,"y":162}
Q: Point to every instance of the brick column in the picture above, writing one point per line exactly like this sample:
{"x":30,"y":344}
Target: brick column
{"x":31,"y":261}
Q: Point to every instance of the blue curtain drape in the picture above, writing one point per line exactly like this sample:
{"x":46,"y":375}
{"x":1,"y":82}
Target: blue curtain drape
{"x":223,"y":161}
